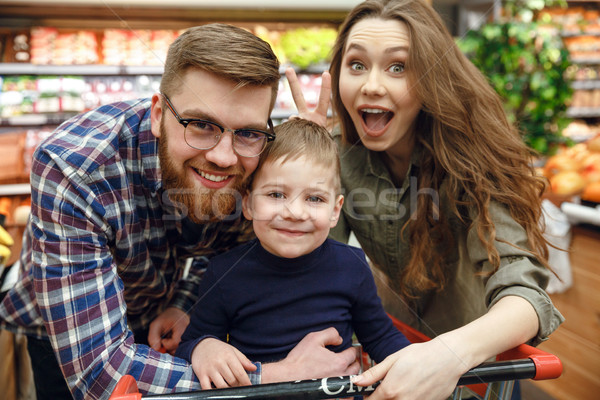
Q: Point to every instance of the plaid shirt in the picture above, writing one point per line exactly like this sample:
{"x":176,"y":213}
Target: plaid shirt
{"x":103,"y":253}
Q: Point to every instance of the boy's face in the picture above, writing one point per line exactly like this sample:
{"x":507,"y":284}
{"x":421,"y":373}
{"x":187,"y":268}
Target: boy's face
{"x":293,"y":205}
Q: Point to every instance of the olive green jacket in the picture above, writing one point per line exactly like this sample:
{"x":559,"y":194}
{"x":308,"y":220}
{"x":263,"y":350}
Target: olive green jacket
{"x":376,"y":211}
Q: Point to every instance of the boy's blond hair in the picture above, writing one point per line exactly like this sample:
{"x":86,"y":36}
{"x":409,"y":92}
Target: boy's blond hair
{"x":300,"y":137}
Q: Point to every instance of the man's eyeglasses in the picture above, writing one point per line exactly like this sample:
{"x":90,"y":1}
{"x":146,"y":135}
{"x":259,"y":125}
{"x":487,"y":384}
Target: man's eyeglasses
{"x":204,"y":135}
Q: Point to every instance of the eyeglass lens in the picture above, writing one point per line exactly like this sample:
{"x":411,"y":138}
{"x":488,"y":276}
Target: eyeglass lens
{"x":205,"y":135}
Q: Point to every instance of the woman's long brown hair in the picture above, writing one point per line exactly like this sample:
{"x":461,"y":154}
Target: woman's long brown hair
{"x":467,"y":142}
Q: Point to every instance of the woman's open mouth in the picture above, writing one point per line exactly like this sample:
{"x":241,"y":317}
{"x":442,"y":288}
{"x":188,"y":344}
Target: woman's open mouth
{"x":375,"y":120}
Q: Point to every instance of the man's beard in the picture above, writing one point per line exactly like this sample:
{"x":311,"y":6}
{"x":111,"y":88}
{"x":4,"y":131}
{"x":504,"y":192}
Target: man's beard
{"x":201,"y":205}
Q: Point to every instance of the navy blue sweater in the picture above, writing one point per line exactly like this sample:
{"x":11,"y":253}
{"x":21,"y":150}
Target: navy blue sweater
{"x":266,"y":304}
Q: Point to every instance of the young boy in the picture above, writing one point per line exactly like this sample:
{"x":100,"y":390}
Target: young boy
{"x":263,"y":297}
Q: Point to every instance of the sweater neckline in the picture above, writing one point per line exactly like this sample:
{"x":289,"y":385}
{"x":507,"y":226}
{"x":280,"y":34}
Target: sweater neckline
{"x":289,"y":265}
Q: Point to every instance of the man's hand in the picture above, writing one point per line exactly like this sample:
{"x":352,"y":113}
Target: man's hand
{"x":310,"y":359}
{"x":319,"y":115}
{"x":166,"y":330}
{"x":221,"y":364}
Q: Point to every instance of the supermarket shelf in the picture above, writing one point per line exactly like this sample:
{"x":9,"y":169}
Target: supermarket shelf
{"x":15,"y":189}
{"x":583,"y":112}
{"x":579,"y":33}
{"x":32,"y":69}
{"x":585,"y":60}
{"x":282,"y":114}
{"x":343,"y":5}
{"x":586,"y":85}
{"x":36,"y":119}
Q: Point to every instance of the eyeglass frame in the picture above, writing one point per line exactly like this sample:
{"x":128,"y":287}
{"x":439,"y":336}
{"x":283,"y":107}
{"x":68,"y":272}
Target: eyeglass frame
{"x":269,"y":136}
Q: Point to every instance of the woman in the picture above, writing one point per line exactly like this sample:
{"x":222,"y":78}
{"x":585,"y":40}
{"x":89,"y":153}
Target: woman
{"x":440,"y":194}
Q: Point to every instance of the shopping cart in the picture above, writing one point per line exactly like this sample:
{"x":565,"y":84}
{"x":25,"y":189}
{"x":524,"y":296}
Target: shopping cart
{"x":489,"y":381}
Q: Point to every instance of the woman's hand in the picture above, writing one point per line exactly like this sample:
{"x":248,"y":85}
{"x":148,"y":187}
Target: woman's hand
{"x":431,"y":370}
{"x":319,"y":115}
{"x":216,"y":362}
{"x":424,"y":371}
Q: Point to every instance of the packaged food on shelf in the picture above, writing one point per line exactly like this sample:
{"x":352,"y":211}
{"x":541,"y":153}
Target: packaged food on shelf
{"x":136,"y":47}
{"x":580,"y":130}
{"x":583,"y":48}
{"x":51,"y":46}
{"x":42,"y":44}
{"x":18,"y":95}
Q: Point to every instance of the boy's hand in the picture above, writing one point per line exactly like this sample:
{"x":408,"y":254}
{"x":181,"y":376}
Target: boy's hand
{"x":319,"y":115}
{"x":221,"y":364}
{"x":166,"y":330}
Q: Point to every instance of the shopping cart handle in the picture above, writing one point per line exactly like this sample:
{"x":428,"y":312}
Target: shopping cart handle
{"x":328,"y":388}
{"x":126,"y":389}
{"x":547,"y":366}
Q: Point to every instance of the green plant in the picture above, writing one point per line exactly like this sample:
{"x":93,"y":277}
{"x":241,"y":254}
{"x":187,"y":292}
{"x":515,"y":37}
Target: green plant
{"x":525,"y":61}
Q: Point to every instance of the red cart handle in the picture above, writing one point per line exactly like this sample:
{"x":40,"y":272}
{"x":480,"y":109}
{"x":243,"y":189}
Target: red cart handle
{"x":126,"y":389}
{"x":547,"y":366}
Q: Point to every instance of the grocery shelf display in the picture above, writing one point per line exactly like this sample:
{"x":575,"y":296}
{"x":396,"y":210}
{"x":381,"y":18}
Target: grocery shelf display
{"x":70,"y":71}
{"x":580,"y":29}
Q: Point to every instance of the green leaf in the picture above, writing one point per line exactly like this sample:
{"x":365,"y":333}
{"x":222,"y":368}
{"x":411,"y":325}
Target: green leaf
{"x":526,"y":66}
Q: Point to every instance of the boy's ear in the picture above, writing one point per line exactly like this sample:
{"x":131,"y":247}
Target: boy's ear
{"x":337,"y":209}
{"x":247,"y":206}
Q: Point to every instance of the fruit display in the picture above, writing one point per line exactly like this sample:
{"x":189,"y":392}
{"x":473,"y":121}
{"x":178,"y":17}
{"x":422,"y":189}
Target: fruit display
{"x":576,"y":170}
{"x":304,"y":47}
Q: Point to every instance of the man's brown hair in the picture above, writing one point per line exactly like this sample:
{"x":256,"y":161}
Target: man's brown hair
{"x":225,"y":50}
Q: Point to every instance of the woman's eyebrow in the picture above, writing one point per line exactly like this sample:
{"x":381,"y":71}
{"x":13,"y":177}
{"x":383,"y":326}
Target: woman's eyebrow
{"x":356,"y":46}
{"x":396,"y":49}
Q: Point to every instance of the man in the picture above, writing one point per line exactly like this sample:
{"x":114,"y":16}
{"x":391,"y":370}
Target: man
{"x":121,"y":197}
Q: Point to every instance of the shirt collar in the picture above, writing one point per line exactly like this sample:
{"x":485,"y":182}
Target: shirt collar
{"x":377,"y":168}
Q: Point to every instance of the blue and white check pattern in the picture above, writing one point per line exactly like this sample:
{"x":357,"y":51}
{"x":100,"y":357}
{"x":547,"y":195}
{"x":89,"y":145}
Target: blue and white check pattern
{"x":103,"y":254}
